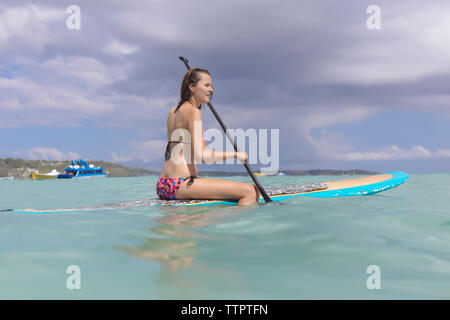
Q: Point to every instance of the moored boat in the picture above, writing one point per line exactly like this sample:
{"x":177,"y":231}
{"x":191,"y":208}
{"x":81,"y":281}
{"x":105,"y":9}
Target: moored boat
{"x":45,"y":176}
{"x":80,"y":169}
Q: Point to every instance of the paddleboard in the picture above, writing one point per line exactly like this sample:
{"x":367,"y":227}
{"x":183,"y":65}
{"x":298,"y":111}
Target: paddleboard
{"x":330,"y":189}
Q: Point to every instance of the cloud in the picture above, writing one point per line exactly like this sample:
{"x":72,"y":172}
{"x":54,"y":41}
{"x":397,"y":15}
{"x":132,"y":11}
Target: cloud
{"x":23,"y":95}
{"x":45,"y":93}
{"x":442,"y":153}
{"x":325,"y":116}
{"x":331,"y":142}
{"x":243,"y":23}
{"x":117,"y":47}
{"x":75,"y":68}
{"x":144,"y":151}
{"x":135,"y":113}
{"x":335,"y":147}
{"x":409,"y":47}
{"x":38,"y":153}
{"x":392,"y":153}
{"x":28,"y":24}
{"x":120,"y":158}
{"x":320,"y":118}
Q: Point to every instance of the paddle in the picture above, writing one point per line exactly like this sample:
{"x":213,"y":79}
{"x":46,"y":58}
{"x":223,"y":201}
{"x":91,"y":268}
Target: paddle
{"x":224,"y":128}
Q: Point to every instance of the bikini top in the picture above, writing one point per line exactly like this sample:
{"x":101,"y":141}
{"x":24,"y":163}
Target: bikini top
{"x":167,"y":153}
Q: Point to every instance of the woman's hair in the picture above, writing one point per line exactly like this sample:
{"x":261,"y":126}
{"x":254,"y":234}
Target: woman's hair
{"x":191,"y":77}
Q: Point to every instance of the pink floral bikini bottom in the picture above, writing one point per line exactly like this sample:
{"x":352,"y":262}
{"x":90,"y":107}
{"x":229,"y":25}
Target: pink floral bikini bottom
{"x":167,"y":188}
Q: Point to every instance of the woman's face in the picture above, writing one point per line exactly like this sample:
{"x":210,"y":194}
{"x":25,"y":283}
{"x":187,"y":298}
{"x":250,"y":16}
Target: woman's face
{"x":203,"y":90}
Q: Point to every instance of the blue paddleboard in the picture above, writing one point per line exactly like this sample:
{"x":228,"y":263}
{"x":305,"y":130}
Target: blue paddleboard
{"x":360,"y":186}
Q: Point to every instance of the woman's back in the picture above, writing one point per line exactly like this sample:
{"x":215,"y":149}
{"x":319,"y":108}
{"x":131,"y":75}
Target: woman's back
{"x":177,"y":120}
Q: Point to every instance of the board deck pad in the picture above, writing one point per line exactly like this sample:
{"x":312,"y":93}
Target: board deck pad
{"x":340,"y":188}
{"x":271,"y":191}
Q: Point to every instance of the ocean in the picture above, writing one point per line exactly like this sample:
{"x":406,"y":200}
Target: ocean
{"x":391,"y":245}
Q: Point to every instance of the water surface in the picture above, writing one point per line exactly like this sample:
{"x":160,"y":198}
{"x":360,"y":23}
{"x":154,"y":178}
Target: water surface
{"x":304,"y":248}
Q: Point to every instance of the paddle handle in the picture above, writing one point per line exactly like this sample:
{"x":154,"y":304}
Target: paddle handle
{"x":224,"y":128}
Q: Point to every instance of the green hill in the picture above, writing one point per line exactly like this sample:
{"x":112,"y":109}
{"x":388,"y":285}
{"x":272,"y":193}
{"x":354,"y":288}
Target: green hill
{"x":21,"y":169}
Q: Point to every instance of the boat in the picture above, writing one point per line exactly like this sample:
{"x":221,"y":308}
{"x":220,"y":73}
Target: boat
{"x":45,"y":176}
{"x":7,"y":178}
{"x":80,"y":169}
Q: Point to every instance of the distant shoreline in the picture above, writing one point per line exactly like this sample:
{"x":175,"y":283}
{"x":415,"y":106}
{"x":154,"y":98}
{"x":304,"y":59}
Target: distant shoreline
{"x":21,"y":169}
{"x":314,"y":172}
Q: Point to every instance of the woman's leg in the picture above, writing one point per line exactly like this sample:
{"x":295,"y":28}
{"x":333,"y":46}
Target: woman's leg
{"x":214,"y":189}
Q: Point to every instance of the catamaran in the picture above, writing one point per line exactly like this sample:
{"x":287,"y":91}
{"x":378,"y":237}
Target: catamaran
{"x":80,"y":169}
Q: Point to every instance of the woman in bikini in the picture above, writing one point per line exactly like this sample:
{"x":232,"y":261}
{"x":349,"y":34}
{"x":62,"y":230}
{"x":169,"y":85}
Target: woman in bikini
{"x":185,"y":147}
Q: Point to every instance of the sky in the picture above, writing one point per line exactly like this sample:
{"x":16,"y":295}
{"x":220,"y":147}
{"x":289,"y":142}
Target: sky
{"x":347,"y":86}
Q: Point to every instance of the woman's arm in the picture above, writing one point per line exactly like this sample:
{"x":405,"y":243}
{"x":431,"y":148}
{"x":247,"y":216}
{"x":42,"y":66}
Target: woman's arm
{"x":199,"y":152}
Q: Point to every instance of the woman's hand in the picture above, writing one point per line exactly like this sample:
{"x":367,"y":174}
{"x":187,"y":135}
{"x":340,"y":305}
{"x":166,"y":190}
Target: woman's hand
{"x":242,"y":156}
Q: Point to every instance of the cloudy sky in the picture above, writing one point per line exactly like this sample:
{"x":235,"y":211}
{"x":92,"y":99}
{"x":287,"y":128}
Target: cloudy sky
{"x":342,"y":93}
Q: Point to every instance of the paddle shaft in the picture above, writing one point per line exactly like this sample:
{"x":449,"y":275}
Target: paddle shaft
{"x":225,"y":130}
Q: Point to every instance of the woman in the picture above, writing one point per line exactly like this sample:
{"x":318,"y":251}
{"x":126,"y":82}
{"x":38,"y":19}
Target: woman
{"x":179,"y":176}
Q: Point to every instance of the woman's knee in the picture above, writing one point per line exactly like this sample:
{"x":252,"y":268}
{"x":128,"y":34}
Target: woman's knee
{"x":251,"y":191}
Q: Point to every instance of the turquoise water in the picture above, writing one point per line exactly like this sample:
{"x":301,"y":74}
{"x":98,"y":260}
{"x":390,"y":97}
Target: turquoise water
{"x":305,"y":248}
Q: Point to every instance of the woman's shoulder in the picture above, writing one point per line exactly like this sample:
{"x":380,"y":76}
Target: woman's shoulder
{"x":189,"y":110}
{"x":186,"y":112}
